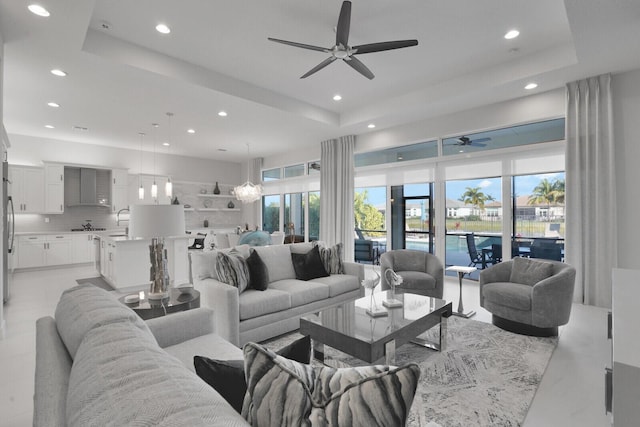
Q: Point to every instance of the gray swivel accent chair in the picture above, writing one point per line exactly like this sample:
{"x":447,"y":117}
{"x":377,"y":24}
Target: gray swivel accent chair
{"x":422,"y":273}
{"x":527,"y":296}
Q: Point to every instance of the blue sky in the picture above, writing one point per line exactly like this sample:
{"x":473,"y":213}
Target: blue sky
{"x":491,"y":186}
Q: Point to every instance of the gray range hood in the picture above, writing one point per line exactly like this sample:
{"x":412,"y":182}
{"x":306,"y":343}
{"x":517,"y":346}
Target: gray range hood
{"x":87,"y":187}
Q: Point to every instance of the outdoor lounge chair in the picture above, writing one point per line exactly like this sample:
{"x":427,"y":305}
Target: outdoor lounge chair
{"x":474,"y":255}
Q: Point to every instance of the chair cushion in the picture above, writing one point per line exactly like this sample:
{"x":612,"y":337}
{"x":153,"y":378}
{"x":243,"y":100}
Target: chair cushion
{"x":302,"y":292}
{"x":508,"y":294}
{"x":278,"y":261}
{"x":257,"y":303}
{"x":529,"y":272}
{"x":85,"y":307}
{"x":416,"y":280}
{"x":305,"y":395}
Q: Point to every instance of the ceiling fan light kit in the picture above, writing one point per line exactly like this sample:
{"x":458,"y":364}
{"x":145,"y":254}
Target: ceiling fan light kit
{"x":342,"y":50}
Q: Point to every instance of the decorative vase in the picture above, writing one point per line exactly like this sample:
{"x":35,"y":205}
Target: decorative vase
{"x":175,"y":201}
{"x":216,"y":189}
{"x":230,"y":205}
{"x":206,"y":223}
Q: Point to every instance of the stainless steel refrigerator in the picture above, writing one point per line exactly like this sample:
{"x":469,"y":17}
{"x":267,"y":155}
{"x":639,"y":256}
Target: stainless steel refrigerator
{"x":8,"y":233}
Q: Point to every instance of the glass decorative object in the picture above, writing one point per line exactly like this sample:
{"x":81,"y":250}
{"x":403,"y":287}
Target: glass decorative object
{"x":374,"y":310}
{"x":394,"y":280}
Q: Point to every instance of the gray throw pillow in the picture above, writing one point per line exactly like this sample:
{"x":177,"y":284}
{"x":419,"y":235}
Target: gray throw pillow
{"x":331,"y":258}
{"x":231,"y":268}
{"x":526,"y":271}
{"x":308,"y":266}
{"x":258,"y":272}
{"x":306,"y":395}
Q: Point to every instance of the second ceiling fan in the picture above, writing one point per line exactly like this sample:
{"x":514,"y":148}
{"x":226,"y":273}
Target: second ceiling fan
{"x":342,"y":50}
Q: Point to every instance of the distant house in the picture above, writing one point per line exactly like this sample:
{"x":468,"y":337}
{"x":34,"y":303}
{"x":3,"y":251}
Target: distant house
{"x":537,"y":211}
{"x":457,"y":209}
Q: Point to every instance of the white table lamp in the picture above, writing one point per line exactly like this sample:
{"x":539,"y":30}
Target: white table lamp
{"x":156,"y":222}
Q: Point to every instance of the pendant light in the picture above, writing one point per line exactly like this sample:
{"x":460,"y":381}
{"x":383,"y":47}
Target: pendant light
{"x":141,"y":189}
{"x":248,"y":192}
{"x":168,"y":188}
{"x":154,"y":186}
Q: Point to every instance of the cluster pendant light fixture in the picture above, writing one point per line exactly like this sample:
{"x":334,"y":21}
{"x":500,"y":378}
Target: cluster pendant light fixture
{"x":248,"y":192}
{"x":141,"y":189}
{"x":168,"y":189}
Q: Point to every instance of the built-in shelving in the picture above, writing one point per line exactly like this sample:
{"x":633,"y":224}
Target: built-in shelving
{"x":222,"y":196}
{"x":189,"y":209}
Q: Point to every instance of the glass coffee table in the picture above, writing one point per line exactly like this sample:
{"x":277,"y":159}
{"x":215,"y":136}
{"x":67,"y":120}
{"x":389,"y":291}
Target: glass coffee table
{"x":349,"y":329}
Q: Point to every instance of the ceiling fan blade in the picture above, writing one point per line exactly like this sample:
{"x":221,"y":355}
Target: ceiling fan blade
{"x":344,"y":22}
{"x":302,"y":45}
{"x":379,"y":47}
{"x":478,"y":144}
{"x":319,"y":67}
{"x":357,"y":65}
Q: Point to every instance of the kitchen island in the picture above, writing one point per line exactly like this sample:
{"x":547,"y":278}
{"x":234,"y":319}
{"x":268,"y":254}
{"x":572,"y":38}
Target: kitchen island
{"x":125,"y":264}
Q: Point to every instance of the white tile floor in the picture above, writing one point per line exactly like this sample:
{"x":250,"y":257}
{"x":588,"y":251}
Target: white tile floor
{"x":571,"y":392}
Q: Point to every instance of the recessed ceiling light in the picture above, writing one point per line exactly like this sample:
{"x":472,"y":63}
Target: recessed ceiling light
{"x":531,"y":86}
{"x":162,"y":28}
{"x":371,"y":126}
{"x":36,"y":9}
{"x":57,"y":72}
{"x":49,"y":126}
{"x":191,"y":131}
{"x":337,"y":97}
{"x":222,"y":113}
{"x":53,"y":104}
{"x":80,"y":128}
{"x":222,"y":149}
{"x":166,"y":144}
{"x":512,"y":34}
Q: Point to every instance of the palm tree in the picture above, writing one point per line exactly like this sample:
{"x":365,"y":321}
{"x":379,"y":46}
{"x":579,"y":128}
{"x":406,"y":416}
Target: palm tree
{"x":475,"y":197}
{"x":547,"y":192}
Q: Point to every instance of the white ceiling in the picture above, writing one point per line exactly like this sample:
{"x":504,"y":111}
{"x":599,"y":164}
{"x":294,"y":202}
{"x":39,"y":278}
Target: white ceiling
{"x":217,"y":57}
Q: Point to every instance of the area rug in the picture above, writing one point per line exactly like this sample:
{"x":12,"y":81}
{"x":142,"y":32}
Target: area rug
{"x":485,"y":377}
{"x":96,"y":281}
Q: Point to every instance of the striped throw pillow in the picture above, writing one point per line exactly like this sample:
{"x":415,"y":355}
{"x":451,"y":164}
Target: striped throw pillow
{"x":305,"y":395}
{"x":231,"y":268}
{"x":331,"y":258}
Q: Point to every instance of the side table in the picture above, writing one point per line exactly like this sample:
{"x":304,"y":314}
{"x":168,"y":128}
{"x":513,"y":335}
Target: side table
{"x":177,"y":301}
{"x":462,"y":270}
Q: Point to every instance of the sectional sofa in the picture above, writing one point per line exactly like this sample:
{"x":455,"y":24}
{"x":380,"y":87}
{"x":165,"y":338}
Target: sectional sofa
{"x":256,"y":315}
{"x":98,"y":364}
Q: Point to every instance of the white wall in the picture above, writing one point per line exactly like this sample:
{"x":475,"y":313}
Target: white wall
{"x":3,"y":245}
{"x":626,"y":115}
{"x":29,"y":150}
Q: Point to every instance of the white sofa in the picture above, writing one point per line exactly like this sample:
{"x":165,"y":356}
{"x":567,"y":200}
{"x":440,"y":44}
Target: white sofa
{"x":258,"y":315}
{"x":98,"y":363}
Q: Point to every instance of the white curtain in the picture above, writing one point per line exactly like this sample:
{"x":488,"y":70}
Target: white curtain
{"x":590,"y":189}
{"x":336,"y":193}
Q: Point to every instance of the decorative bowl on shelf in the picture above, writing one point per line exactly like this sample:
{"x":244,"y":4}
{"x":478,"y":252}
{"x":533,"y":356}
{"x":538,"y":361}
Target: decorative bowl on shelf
{"x":187,"y":206}
{"x":203,"y":191}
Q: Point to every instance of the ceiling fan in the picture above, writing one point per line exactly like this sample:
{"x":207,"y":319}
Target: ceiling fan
{"x":342,"y":50}
{"x":464,"y":140}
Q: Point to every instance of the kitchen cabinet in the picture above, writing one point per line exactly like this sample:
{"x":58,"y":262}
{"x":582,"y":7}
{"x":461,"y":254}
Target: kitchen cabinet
{"x":44,"y":250}
{"x":54,"y":188}
{"x":82,"y":248}
{"x":26,"y":187}
{"x":119,"y":190}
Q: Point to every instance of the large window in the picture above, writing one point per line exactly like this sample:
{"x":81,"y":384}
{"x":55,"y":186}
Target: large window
{"x":369,"y":209}
{"x":538,"y":220}
{"x":473,"y":209}
{"x":422,"y":150}
{"x":271,"y":213}
{"x":314,"y":215}
{"x":294,"y":217}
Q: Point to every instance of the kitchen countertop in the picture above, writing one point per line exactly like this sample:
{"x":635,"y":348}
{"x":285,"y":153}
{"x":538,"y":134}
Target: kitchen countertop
{"x":121,"y":237}
{"x":115,"y":235}
{"x":50,"y":233}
